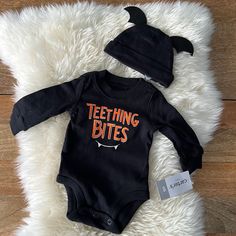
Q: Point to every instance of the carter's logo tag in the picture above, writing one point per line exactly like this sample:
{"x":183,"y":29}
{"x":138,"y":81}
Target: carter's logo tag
{"x":174,"y":185}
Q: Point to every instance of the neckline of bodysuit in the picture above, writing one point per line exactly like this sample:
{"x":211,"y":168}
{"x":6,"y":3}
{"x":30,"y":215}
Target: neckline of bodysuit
{"x":103,"y":82}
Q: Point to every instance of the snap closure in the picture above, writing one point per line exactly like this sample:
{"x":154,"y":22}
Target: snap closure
{"x":109,"y":221}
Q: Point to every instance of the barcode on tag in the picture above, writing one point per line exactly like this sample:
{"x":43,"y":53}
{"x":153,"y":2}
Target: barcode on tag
{"x":174,"y":185}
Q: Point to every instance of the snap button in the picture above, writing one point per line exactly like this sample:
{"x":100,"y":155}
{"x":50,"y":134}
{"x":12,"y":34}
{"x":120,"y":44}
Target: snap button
{"x":109,"y":221}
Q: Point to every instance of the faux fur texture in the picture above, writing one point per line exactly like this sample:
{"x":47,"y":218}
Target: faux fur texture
{"x":49,"y":45}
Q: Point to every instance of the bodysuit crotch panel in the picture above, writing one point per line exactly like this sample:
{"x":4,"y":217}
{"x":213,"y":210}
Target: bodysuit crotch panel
{"x":112,"y":216}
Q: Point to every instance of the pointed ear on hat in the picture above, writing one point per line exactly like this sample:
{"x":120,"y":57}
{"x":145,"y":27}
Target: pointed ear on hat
{"x":137,"y":16}
{"x":182,"y":44}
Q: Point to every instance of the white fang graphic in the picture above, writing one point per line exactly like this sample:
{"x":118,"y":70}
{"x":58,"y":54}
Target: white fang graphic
{"x":108,"y":146}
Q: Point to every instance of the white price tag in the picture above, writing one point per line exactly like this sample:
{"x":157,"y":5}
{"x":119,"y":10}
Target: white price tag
{"x":174,"y":185}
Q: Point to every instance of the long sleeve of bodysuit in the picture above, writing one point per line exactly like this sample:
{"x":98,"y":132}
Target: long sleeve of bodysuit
{"x":170,"y":123}
{"x":40,"y":105}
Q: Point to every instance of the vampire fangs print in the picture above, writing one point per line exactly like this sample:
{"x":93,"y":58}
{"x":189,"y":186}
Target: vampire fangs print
{"x":110,"y":124}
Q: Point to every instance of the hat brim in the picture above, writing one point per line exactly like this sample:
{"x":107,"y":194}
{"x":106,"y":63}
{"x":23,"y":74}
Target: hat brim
{"x":139,"y":62}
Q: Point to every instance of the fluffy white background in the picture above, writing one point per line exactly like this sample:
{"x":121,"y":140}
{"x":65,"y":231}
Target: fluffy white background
{"x":49,"y":45}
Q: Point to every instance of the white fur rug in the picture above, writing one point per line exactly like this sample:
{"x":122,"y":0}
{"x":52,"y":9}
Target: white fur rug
{"x":49,"y":45}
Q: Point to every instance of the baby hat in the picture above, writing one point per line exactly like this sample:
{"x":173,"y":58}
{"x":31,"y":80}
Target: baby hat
{"x":147,"y":49}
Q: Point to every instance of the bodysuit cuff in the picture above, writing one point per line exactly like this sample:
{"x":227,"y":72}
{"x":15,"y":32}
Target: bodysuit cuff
{"x":17,"y":122}
{"x":194,"y":164}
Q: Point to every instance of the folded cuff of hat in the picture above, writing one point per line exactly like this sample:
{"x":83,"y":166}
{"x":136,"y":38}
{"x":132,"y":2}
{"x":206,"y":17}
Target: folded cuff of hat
{"x":139,"y":62}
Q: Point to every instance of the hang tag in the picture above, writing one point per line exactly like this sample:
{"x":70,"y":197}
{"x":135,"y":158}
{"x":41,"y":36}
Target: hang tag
{"x":174,"y":185}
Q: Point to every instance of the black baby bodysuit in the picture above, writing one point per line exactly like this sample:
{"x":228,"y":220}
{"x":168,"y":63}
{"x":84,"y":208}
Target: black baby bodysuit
{"x":104,"y":159}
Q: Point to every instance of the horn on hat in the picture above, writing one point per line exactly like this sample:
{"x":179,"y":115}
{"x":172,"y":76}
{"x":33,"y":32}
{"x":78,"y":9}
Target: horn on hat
{"x":182,"y":44}
{"x":137,"y":16}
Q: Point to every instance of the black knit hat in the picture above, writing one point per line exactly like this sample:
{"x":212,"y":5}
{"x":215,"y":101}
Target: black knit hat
{"x":147,"y":49}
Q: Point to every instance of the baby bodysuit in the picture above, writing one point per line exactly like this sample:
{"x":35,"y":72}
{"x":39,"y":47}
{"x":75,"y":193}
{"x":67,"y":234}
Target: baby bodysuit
{"x":104,"y":159}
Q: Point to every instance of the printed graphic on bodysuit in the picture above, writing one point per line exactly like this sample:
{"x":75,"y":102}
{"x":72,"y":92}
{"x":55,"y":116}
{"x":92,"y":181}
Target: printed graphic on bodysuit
{"x":111,"y":124}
